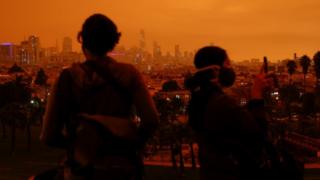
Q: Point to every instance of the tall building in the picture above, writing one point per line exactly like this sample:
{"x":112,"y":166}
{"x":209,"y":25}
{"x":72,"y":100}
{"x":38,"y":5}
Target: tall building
{"x":139,"y":56}
{"x":142,"y":40}
{"x":24,"y":53}
{"x":6,"y":52}
{"x":34,"y":43}
{"x":29,"y":51}
{"x":177,"y":52}
{"x":156,"y":50}
{"x":67,"y":45}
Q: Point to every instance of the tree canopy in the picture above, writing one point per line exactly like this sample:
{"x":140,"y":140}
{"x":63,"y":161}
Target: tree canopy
{"x":15,"y":69}
{"x":292,"y":66}
{"x":41,"y":78}
{"x":305,"y":62}
{"x":170,"y":85}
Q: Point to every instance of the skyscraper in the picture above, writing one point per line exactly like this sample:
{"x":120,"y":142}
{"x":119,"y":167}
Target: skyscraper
{"x":67,"y":45}
{"x":29,"y":50}
{"x":6,"y":51}
{"x":34,"y":47}
{"x":24,"y":53}
{"x":142,"y":40}
{"x":156,"y":50}
{"x":177,"y":52}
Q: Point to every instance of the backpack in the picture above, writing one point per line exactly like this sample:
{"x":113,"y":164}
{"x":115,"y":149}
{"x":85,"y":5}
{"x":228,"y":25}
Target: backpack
{"x":113,"y":140}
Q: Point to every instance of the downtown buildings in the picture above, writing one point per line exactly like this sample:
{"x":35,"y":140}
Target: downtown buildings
{"x":30,"y":52}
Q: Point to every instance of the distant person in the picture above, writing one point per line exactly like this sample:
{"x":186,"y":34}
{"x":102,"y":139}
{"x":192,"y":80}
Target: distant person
{"x":229,"y":136}
{"x":92,"y":108}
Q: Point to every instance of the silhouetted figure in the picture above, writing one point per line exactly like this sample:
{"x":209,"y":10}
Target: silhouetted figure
{"x":91,"y":109}
{"x":229,"y":136}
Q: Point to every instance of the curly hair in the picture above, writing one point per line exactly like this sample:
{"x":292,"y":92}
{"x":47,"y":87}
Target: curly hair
{"x":99,"y":34}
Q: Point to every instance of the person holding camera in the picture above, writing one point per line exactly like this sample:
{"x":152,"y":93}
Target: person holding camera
{"x":230,"y":137}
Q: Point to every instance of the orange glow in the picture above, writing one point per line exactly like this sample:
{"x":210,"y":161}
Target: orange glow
{"x":246,"y":28}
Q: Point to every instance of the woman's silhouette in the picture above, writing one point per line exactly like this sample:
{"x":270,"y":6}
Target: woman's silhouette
{"x":103,"y":90}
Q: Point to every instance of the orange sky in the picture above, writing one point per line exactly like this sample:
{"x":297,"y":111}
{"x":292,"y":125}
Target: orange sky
{"x":246,"y":28}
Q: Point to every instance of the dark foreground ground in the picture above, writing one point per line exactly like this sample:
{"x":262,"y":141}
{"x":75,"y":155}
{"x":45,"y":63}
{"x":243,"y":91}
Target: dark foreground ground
{"x":24,"y":163}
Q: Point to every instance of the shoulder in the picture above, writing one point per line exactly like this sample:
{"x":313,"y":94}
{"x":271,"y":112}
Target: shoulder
{"x":125,"y":73}
{"x":73,"y":72}
{"x":70,"y":69}
{"x":64,"y":74}
{"x":123,"y":68}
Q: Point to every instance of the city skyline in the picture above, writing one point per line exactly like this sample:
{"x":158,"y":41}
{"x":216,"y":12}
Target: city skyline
{"x":246,"y":29}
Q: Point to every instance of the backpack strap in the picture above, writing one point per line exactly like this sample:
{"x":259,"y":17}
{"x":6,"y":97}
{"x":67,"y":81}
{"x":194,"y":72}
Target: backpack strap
{"x":109,"y":79}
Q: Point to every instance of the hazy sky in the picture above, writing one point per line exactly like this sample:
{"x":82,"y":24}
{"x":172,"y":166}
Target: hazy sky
{"x":246,"y":28}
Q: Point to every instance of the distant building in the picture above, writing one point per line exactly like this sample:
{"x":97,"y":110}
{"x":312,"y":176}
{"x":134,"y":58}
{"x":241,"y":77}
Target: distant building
{"x":7,"y":53}
{"x":156,"y":51}
{"x":67,"y":45}
{"x":29,"y":51}
{"x":34,"y":42}
{"x":52,"y":55}
{"x":142,"y":40}
{"x":24,"y":53}
{"x":255,"y":61}
{"x":71,"y":57}
{"x":281,"y":69}
{"x":177,"y":52}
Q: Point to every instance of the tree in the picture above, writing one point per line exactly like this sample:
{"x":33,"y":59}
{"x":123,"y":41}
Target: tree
{"x":15,"y":69}
{"x":41,"y":78}
{"x":292,"y":66}
{"x":14,"y":96}
{"x":170,"y":85}
{"x":17,"y":115}
{"x":17,"y":90}
{"x":305,"y":64}
{"x":316,"y":60}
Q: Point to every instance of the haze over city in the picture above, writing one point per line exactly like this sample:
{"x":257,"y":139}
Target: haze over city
{"x":248,"y":29}
{"x":165,"y":102}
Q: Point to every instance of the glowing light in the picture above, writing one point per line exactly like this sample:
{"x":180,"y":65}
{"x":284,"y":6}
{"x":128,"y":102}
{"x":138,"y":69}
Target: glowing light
{"x":6,"y":44}
{"x":116,"y":53}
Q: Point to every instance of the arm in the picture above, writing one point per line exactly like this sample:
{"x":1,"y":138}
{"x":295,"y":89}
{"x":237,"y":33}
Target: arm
{"x":57,"y":111}
{"x":145,"y":108}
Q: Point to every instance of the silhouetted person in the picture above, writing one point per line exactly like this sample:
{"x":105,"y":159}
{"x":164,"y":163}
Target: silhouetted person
{"x":108,"y":93}
{"x":229,"y":136}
